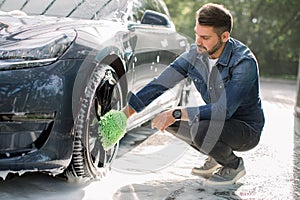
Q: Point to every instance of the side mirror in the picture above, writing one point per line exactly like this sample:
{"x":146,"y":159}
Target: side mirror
{"x":155,"y":18}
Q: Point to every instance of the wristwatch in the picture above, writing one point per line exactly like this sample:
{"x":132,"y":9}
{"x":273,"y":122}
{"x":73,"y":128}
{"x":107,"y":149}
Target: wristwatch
{"x":177,"y":114}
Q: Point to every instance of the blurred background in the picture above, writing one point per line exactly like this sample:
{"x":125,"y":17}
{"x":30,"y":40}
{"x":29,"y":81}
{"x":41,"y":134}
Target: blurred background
{"x":269,"y":27}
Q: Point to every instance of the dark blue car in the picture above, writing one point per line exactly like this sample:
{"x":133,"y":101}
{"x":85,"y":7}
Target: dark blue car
{"x":63,"y":64}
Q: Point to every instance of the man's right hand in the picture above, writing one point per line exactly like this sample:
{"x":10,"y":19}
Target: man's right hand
{"x":128,"y":111}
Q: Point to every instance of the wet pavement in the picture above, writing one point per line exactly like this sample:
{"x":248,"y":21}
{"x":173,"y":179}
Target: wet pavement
{"x":156,"y":166}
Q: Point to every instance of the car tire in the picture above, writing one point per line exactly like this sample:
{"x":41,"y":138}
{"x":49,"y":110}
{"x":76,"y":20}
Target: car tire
{"x":103,"y":93}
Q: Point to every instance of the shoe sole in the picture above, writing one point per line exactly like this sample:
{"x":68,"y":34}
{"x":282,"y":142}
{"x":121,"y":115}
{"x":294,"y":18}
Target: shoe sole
{"x":206,"y":174}
{"x":233,"y":181}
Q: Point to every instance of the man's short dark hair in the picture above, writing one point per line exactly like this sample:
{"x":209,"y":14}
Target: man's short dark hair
{"x":215,"y":15}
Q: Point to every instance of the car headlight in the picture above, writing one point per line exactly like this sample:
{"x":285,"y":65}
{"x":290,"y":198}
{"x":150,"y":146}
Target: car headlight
{"x":24,"y":50}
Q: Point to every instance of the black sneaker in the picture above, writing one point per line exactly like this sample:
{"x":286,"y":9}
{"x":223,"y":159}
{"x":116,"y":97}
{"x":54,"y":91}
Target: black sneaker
{"x":226,"y":175}
{"x":208,"y":168}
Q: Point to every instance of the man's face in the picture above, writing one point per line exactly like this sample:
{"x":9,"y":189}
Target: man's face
{"x":209,"y":41}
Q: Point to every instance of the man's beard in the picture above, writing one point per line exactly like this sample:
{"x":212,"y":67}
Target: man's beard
{"x":214,"y":49}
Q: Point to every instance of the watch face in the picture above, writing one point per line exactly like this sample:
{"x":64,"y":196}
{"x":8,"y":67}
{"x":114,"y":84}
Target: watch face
{"x":177,"y":114}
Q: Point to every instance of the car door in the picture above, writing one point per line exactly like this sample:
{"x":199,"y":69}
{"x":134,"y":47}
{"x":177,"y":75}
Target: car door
{"x":156,"y":45}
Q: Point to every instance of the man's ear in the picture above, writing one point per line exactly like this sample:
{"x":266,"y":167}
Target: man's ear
{"x":225,"y":36}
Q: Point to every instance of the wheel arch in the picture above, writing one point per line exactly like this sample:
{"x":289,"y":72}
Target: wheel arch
{"x":119,"y":66}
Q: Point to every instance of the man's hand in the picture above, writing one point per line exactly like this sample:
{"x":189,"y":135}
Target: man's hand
{"x":163,"y":120}
{"x":128,"y":111}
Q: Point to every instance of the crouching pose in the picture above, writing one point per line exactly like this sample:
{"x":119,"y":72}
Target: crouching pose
{"x":225,"y":73}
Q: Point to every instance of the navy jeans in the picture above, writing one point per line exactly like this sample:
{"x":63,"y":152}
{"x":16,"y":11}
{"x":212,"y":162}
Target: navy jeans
{"x":234,"y":135}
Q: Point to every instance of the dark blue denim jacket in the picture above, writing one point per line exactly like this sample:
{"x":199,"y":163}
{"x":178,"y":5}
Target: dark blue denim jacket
{"x":230,"y":90}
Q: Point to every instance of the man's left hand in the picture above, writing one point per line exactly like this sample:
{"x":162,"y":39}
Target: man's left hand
{"x":163,"y":120}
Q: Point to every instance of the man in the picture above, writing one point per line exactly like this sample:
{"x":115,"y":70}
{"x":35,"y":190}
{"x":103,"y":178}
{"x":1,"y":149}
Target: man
{"x":225,"y":73}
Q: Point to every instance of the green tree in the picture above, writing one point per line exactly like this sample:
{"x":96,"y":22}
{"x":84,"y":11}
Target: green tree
{"x":269,"y":27}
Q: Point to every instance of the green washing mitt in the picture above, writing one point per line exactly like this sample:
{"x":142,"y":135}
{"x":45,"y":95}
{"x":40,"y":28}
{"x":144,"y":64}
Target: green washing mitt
{"x":112,"y":127}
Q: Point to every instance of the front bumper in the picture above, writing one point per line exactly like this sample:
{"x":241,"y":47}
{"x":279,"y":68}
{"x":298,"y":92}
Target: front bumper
{"x":36,"y":120}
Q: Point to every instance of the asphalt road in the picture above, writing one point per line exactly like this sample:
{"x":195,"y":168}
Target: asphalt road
{"x":159,"y":167}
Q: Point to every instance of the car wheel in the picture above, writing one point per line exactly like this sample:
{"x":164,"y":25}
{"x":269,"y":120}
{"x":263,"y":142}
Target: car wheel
{"x":103,"y":93}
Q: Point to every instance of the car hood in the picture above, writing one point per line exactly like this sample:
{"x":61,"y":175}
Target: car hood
{"x":29,"y":39}
{"x":18,"y":23}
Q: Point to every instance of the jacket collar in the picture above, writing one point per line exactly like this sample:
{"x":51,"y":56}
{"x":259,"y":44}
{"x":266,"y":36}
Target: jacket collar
{"x":225,"y":56}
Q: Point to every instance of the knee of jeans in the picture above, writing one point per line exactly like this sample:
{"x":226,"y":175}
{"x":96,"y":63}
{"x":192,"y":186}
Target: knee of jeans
{"x":198,"y":132}
{"x":173,"y":129}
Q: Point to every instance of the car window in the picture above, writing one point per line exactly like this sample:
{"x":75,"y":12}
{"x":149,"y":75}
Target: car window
{"x":140,"y":6}
{"x":84,"y":9}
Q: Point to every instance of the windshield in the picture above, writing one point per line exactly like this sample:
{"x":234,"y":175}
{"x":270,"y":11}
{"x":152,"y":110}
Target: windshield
{"x":84,"y":9}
